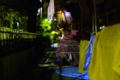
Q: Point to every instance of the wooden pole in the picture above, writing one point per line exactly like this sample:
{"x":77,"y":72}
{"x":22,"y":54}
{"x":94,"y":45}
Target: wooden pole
{"x":81,"y":19}
{"x":95,"y":16}
{"x":11,"y":19}
{"x":106,"y":17}
{"x":93,"y":24}
{"x":81,"y":26}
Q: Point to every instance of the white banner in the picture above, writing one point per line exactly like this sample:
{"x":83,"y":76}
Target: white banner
{"x":51,"y":9}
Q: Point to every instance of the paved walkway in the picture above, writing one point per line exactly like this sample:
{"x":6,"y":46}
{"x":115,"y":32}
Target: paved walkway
{"x":45,"y":73}
{"x":50,"y":74}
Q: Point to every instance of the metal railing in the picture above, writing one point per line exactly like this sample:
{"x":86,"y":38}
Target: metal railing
{"x":12,"y":41}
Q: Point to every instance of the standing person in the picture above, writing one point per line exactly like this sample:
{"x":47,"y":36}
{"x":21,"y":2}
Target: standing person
{"x":69,"y":47}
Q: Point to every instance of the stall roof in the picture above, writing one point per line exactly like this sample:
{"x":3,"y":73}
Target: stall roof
{"x":86,"y":7}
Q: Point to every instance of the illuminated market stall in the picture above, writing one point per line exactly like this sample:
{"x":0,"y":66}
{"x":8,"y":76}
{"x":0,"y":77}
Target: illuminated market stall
{"x":87,"y":59}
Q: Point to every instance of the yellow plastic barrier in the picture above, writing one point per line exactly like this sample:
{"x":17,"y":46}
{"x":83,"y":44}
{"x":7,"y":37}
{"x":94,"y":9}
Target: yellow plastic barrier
{"x":105,"y":61}
{"x":82,"y":54}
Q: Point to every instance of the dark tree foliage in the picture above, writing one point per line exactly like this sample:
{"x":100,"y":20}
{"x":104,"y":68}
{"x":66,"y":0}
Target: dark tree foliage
{"x":32,"y":7}
{"x":25,"y":7}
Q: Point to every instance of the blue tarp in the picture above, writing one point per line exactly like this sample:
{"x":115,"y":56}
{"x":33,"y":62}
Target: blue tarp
{"x":72,"y":71}
{"x":89,"y":53}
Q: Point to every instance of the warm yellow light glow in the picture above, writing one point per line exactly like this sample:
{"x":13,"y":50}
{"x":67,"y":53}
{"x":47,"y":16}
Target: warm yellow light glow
{"x":59,"y":12}
{"x":62,"y":15}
